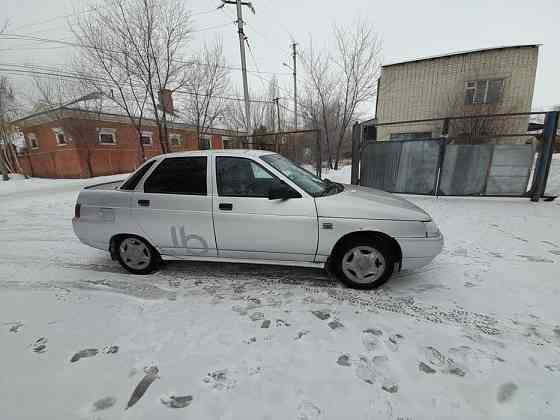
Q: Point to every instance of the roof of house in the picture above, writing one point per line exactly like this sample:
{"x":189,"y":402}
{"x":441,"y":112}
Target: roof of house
{"x":435,"y":57}
{"x":104,"y":105}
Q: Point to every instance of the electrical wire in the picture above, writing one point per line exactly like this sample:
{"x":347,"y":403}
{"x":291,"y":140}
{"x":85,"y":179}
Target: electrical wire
{"x":75,"y":44}
{"x":107,"y":83}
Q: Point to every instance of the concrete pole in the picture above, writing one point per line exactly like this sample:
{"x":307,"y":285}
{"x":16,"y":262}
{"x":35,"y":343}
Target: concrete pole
{"x":244,"y":71}
{"x":294,"y":55}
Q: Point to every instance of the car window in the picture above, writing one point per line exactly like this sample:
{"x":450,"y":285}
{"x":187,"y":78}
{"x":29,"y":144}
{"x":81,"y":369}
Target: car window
{"x":241,"y":177}
{"x":131,"y":182}
{"x":178,"y":175}
{"x":312,"y":184}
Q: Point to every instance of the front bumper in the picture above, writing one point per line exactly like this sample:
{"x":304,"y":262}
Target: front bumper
{"x":418,"y":252}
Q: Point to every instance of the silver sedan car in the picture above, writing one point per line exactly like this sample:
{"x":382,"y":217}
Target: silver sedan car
{"x":257,"y":207}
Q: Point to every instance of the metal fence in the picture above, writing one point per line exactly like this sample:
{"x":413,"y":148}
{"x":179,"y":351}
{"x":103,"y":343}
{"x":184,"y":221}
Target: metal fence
{"x":514,"y":164}
{"x":301,"y":146}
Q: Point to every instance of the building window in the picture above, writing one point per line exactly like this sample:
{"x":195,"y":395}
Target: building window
{"x":60,"y":137}
{"x":146,"y":138}
{"x":417,"y":135}
{"x":227,"y":143}
{"x":32,"y":140}
{"x":483,"y":91}
{"x":175,"y":139}
{"x":205,"y":142}
{"x":106,"y":136}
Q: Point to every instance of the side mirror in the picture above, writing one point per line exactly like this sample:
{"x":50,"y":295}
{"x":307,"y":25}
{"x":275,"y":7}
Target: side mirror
{"x":282,"y":191}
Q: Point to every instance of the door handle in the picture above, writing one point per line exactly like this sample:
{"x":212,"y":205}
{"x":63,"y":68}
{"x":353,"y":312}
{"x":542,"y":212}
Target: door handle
{"x":226,"y":206}
{"x":143,"y":203}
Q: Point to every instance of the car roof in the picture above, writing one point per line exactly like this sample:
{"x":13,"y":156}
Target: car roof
{"x":221,"y":152}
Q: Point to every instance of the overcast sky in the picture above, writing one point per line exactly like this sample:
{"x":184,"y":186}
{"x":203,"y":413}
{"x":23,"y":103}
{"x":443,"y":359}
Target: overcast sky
{"x":408,"y":29}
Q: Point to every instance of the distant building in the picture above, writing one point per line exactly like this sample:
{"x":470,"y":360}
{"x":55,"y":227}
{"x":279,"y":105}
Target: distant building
{"x":86,"y":139}
{"x":485,"y":81}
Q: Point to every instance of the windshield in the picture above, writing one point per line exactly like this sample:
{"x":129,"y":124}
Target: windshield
{"x":312,"y":184}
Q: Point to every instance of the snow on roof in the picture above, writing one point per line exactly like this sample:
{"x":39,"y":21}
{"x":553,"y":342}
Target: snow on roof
{"x":434,"y":57}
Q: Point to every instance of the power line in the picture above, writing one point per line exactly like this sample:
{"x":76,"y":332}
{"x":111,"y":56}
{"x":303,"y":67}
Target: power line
{"x":54,"y":18}
{"x":107,"y":83}
{"x":75,"y":44}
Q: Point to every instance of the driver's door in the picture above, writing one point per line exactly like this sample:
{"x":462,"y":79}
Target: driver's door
{"x":250,"y":226}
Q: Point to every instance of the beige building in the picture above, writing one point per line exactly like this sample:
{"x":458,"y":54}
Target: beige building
{"x":486,"y":81}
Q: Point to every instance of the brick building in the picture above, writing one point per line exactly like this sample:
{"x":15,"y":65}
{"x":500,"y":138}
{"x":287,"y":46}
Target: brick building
{"x":81,"y":141}
{"x":486,"y":81}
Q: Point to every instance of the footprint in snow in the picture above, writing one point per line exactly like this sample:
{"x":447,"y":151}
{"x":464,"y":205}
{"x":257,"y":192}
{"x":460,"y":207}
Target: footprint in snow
{"x":423,"y":367}
{"x":322,"y":314}
{"x":393,"y":342}
{"x":265,"y":323}
{"x":84,"y":353}
{"x":343,"y":360}
{"x":176,"y":402}
{"x":143,"y":385}
{"x":336,"y":324}
{"x":506,"y":392}
{"x":16,"y":327}
{"x":301,"y":334}
{"x":308,"y":411}
{"x":40,"y":345}
{"x":256,"y":316}
{"x":220,"y":379}
{"x":110,"y":349}
{"x":104,"y":403}
{"x":370,"y":340}
{"x":434,"y":356}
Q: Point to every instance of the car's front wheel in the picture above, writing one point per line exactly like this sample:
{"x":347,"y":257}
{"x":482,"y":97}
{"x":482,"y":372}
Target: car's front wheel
{"x":137,"y":256}
{"x":364,"y":263}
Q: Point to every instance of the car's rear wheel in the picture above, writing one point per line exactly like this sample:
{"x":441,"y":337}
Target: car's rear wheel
{"x":137,"y":256}
{"x":364,"y":263}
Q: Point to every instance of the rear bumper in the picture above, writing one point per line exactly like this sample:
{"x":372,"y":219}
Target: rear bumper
{"x":81,"y":230}
{"x":418,"y":252}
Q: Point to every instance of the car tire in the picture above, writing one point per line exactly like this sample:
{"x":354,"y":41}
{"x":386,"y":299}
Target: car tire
{"x":136,"y":255}
{"x":364,"y":263}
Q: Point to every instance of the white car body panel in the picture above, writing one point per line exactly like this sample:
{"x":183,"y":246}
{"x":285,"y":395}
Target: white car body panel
{"x":259,"y":228}
{"x":299,"y":231}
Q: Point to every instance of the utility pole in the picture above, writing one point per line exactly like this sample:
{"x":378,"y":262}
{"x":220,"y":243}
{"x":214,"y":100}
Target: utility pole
{"x":276,"y":100}
{"x":239,"y":5}
{"x":294,"y":55}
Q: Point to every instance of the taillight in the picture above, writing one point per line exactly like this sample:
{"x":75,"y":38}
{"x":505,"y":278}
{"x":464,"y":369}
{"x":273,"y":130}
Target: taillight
{"x":77,"y":210}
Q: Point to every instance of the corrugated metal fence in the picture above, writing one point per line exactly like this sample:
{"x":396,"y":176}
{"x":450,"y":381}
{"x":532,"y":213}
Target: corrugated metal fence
{"x":443,"y":166}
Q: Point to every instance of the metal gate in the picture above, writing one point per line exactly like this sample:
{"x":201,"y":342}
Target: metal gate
{"x":469,"y":167}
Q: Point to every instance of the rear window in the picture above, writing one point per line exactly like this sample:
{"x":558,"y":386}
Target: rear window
{"x":133,"y":181}
{"x":179,"y":175}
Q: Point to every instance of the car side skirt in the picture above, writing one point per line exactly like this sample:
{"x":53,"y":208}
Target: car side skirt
{"x":319,"y":265}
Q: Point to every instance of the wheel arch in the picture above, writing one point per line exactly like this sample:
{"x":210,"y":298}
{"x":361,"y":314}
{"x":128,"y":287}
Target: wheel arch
{"x":368,"y":235}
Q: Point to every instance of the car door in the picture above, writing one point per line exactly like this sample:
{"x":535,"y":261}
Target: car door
{"x":173,"y":206}
{"x":249,"y":225}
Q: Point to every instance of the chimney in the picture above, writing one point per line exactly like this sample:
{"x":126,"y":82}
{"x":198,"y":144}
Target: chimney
{"x":166,"y":101}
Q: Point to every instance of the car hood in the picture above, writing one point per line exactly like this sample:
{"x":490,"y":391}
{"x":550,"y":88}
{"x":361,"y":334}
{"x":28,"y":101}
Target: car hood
{"x":367,"y":203}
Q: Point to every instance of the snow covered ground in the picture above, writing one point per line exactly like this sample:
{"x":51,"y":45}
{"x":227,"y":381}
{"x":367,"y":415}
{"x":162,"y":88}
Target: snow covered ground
{"x":476,"y":334}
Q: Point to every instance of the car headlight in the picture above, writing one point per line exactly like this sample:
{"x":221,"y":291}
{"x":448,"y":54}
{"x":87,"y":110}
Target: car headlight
{"x":432,"y":231}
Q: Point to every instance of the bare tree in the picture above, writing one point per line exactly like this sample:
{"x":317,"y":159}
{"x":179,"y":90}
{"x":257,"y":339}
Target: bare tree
{"x":8,"y":112}
{"x":208,"y":81}
{"x":136,"y":46}
{"x":58,"y":95}
{"x":341,"y":82}
{"x":235,"y":112}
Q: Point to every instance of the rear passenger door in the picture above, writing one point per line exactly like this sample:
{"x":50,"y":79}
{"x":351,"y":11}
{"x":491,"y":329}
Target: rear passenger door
{"x":173,"y":206}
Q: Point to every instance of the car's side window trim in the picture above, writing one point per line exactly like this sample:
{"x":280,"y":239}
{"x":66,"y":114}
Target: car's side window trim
{"x":256,"y":162}
{"x":154,"y":167}
{"x":140,"y":185}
